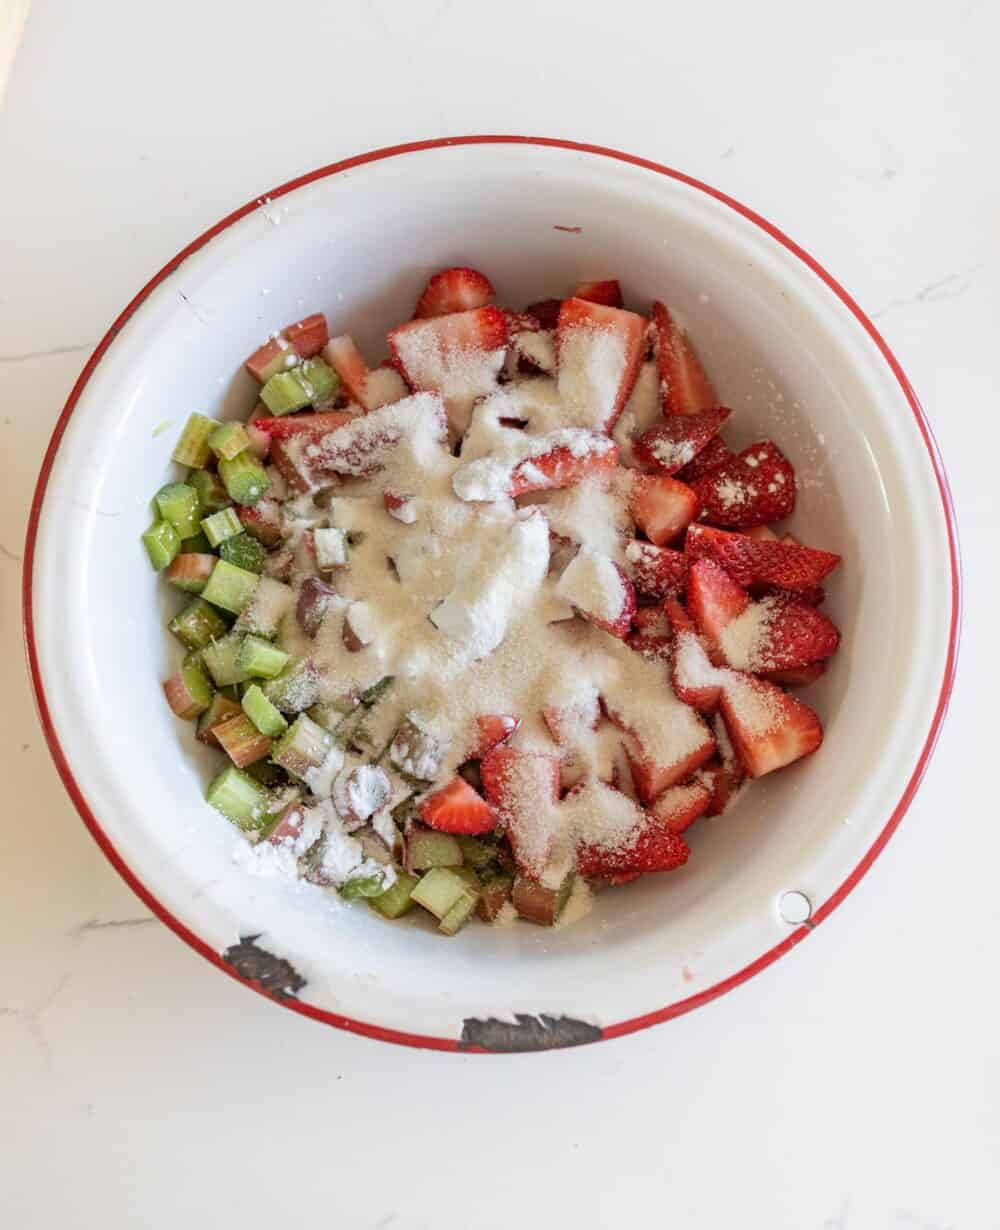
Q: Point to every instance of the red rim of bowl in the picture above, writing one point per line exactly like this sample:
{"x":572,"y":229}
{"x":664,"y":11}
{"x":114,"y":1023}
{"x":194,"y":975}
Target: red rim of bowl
{"x":422,"y":1040}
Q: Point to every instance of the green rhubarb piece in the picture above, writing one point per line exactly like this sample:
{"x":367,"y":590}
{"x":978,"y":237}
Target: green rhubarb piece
{"x":475,"y":852}
{"x":197,"y":544}
{"x":295,"y":689}
{"x":311,"y":384}
{"x":196,"y":680}
{"x":230,"y":587}
{"x":228,"y":439}
{"x":459,"y":914}
{"x":361,"y":886}
{"x":283,"y":394}
{"x":220,"y":658}
{"x":396,"y":901}
{"x":192,"y":448}
{"x":303,"y":746}
{"x":377,"y":690}
{"x":260,"y":658}
{"x":240,"y":799}
{"x":222,"y":525}
{"x":439,"y":890}
{"x":243,"y":551}
{"x":220,"y":709}
{"x":212,"y":495}
{"x":319,"y":379}
{"x":178,"y":503}
{"x":245,"y":478}
{"x":198,"y":624}
{"x":270,"y":775}
{"x":265,"y":716}
{"x":425,"y":849}
{"x":162,"y":543}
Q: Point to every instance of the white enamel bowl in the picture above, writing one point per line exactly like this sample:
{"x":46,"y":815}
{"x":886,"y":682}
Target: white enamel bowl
{"x":788,"y":350}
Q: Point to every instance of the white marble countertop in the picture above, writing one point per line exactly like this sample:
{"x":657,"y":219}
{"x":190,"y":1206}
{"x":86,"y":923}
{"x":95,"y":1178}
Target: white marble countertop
{"x":855,"y":1085}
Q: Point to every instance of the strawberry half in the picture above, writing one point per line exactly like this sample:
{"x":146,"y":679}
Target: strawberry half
{"x":768,"y":728}
{"x":652,"y":621}
{"x":676,"y":441}
{"x":680,"y":806}
{"x":519,"y":785}
{"x":776,"y":635}
{"x":459,"y":355}
{"x":798,"y":676}
{"x":598,"y":589}
{"x":656,"y":572}
{"x":714,"y":599}
{"x":599,"y":352}
{"x":653,"y":847}
{"x":567,"y":722}
{"x":695,"y":680}
{"x":454,"y":290}
{"x":565,"y":466}
{"x":713,"y":455}
{"x":347,"y":361}
{"x":651,"y":779}
{"x":457,"y":808}
{"x":661,"y":507}
{"x":750,"y":559}
{"x":753,"y":488}
{"x":492,"y":729}
{"x":308,"y":424}
{"x":609,"y":293}
{"x":684,"y":387}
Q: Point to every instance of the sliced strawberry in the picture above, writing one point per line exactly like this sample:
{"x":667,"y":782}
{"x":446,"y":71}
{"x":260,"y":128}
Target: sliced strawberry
{"x":651,"y":779}
{"x":748,"y":559}
{"x":348,"y":362}
{"x":459,"y":355}
{"x":600,"y":591}
{"x":609,"y":293}
{"x":492,"y":729}
{"x":599,"y":351}
{"x":310,"y":424}
{"x":769,"y":729}
{"x":695,"y":680}
{"x":567,"y":722}
{"x":814,"y":595}
{"x":545,"y":311}
{"x":714,"y":599}
{"x":400,"y":507}
{"x":753,"y":488}
{"x":661,"y":507}
{"x":521,"y":785}
{"x":656,"y":572}
{"x":776,"y":634}
{"x":684,"y":386}
{"x":654,"y":647}
{"x":764,"y":533}
{"x":590,"y":456}
{"x":457,"y":808}
{"x":652,"y":847}
{"x":361,"y":446}
{"x":723,"y":781}
{"x":680,"y":806}
{"x":309,"y":336}
{"x":677,"y":617}
{"x":652,"y":621}
{"x":454,"y":290}
{"x":676,"y":441}
{"x":715,"y":453}
{"x":796,"y":677}
{"x":274,"y":356}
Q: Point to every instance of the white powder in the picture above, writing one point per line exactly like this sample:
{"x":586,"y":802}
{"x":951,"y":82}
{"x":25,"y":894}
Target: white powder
{"x":491,"y":478}
{"x":320,"y":779}
{"x":331,"y":547}
{"x":578,"y":905}
{"x":539,"y":348}
{"x":594,"y":585}
{"x":591,"y":369}
{"x":672,"y":454}
{"x":361,"y":620}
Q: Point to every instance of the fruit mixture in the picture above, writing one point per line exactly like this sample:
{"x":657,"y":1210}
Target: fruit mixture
{"x":495,"y":622}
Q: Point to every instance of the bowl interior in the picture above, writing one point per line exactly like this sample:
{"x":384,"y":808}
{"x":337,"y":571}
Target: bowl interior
{"x":786,"y":355}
